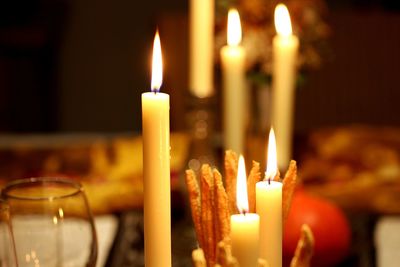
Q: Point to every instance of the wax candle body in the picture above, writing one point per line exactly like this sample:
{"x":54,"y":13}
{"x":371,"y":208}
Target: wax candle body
{"x":234,"y":93}
{"x":156,"y":171}
{"x":245,"y":238}
{"x":201,"y":48}
{"x":269,"y":207}
{"x":283,"y":91}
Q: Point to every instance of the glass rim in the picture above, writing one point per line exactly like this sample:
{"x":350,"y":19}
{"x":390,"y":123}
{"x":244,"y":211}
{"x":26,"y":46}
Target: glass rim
{"x":6,"y":194}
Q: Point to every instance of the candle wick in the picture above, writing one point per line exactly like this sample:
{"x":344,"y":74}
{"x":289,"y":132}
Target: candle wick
{"x":269,"y":180}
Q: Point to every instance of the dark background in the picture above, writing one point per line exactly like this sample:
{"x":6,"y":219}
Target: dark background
{"x":81,"y":65}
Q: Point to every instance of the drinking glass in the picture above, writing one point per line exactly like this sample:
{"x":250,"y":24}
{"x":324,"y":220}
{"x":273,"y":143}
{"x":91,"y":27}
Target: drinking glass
{"x":7,"y":252}
{"x":51,"y":223}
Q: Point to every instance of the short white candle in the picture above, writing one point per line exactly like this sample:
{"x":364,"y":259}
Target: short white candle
{"x":284,"y":48}
{"x":156,"y":168}
{"x":233,"y":58}
{"x":201,"y":59}
{"x":244,"y":226}
{"x":269,"y":207}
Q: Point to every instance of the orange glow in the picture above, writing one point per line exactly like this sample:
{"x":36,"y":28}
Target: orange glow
{"x":283,"y":25}
{"x":234,"y":28}
{"x":157,"y":68}
{"x":272,"y":164}
{"x":241,"y":187}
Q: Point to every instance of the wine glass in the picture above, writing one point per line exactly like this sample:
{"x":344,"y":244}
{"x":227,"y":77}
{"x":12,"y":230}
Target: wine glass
{"x":51,"y":223}
{"x":7,"y":252}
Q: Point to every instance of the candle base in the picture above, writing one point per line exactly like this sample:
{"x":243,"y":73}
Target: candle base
{"x":200,"y":121}
{"x":260,"y":108}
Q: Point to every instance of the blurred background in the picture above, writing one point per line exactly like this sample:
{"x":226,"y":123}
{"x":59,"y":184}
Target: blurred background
{"x":82,"y":65}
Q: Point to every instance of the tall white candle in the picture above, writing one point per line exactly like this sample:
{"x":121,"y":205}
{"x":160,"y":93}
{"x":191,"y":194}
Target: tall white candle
{"x":156,"y":168}
{"x":244,"y":226}
{"x":269,"y":207}
{"x":285,"y":48}
{"x":233,"y":58}
{"x":201,"y":33}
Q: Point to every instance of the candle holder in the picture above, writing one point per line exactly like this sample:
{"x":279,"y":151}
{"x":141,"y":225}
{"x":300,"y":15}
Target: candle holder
{"x":201,"y":122}
{"x":260,"y":109}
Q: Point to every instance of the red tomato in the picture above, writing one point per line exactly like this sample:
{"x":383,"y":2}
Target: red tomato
{"x":329,"y":225}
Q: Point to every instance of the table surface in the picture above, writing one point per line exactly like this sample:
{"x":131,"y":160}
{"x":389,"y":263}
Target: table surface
{"x":127,"y":250}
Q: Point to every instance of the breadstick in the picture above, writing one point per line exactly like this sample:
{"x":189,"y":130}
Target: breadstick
{"x":198,"y":258}
{"x":222,"y":210}
{"x":207,"y":220}
{"x":254,"y":177}
{"x":224,"y":254}
{"x":231,"y":166}
{"x":277,"y":177}
{"x":289,"y":184}
{"x":262,"y":263}
{"x":195,"y":204}
{"x":232,"y":262}
{"x":304,"y":249}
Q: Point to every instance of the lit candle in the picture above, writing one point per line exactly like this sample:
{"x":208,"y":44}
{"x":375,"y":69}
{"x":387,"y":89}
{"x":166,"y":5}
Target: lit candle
{"x":201,"y":33}
{"x":269,"y":207}
{"x":234,"y":85}
{"x":285,"y":48}
{"x":244,"y":226}
{"x":156,"y":168}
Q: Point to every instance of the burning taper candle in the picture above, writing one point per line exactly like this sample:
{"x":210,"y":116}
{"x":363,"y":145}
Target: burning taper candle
{"x":156,"y":168}
{"x":269,"y":207}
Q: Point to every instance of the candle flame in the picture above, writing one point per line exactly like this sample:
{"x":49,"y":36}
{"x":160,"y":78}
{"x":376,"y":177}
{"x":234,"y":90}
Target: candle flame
{"x":282,"y":20}
{"x":272,"y":164}
{"x":241,"y":187}
{"x":156,"y":73}
{"x":234,"y":28}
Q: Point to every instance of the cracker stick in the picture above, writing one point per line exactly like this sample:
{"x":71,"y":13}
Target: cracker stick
{"x":198,"y":258}
{"x":289,"y":184}
{"x":195,"y":204}
{"x":304,"y":249}
{"x":222,"y":210}
{"x":207,"y":220}
{"x":231,"y":166}
{"x":262,"y":263}
{"x":224,"y":254}
{"x":254,"y":177}
{"x":277,"y":177}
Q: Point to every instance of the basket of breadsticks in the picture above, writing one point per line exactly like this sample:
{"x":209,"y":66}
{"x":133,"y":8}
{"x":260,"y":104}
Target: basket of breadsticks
{"x":212,"y":200}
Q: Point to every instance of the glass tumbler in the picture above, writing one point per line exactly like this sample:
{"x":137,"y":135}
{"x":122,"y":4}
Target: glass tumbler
{"x":7,"y":251}
{"x":50,"y":223}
